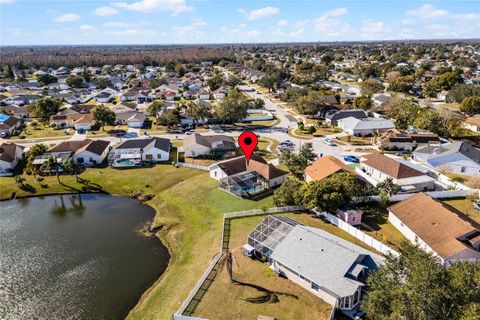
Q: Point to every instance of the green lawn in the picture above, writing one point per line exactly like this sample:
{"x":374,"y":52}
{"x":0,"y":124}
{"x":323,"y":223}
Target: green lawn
{"x":465,"y":206}
{"x":189,"y":209}
{"x":41,"y":131}
{"x":357,"y":141}
{"x":319,"y":132}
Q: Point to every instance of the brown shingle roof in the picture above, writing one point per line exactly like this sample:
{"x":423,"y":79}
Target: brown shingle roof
{"x":326,"y":166}
{"x":66,"y":146}
{"x":391,"y":167}
{"x":256,"y":163}
{"x":7,"y":151}
{"x":434,"y":223}
{"x":473,"y":121}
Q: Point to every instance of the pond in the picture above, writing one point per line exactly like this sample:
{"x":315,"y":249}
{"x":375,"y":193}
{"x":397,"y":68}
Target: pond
{"x":76,"y":257}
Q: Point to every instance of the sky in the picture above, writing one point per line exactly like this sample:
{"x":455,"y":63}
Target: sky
{"x":38,"y":22}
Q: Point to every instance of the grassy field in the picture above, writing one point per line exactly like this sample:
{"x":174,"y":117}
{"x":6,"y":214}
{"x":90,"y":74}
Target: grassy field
{"x":376,"y":217}
{"x":357,"y":141}
{"x":295,"y":303}
{"x":44,"y":131}
{"x":189,"y":210}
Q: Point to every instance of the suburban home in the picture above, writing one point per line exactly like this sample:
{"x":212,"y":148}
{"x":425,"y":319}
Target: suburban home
{"x":393,"y":139}
{"x":84,"y":152}
{"x":365,"y":126}
{"x":332,"y":118}
{"x":136,"y":152}
{"x":123,"y":107}
{"x":84,"y":123}
{"x":198,"y":145}
{"x":103,"y":97}
{"x":436,"y":228}
{"x":247,"y":179}
{"x":134,"y":95}
{"x":459,"y":157}
{"x":324,"y":167}
{"x":221,"y":92}
{"x":62,"y":121}
{"x":325,"y":265}
{"x":132,"y":119}
{"x":10,"y":154}
{"x":472,"y":124}
{"x":380,"y":167}
{"x":380,"y":100}
{"x":16,"y":111}
{"x":8,"y":124}
{"x":203,"y":94}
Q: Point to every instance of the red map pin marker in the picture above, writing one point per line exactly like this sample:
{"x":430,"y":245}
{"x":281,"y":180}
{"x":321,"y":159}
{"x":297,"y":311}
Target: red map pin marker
{"x":248,"y":142}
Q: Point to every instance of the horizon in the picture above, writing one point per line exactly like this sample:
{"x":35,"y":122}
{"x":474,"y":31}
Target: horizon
{"x":187,"y":22}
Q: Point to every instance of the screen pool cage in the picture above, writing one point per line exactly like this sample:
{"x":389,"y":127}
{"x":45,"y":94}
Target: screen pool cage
{"x":245,"y":184}
{"x":269,"y":233}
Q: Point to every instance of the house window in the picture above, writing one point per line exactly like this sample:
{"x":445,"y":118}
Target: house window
{"x":347,"y":302}
{"x":353,"y":219}
{"x":416,"y":238}
{"x":79,"y":160}
{"x":148,"y":157}
{"x":315,"y":286}
{"x":90,"y":159}
{"x":356,"y":297}
{"x":463,"y":169}
{"x":159,"y":156}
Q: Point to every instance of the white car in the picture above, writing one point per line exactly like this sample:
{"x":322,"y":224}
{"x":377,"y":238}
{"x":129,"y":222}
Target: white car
{"x":190,"y":132}
{"x":287,"y":142}
{"x":329,"y":142}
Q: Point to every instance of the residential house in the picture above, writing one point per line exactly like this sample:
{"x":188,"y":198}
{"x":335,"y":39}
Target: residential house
{"x":380,"y":167}
{"x":459,"y":157}
{"x":84,"y":123}
{"x":393,"y":139}
{"x":136,"y":152}
{"x":331,"y":268}
{"x":324,"y":167}
{"x":201,"y":145}
{"x":84,"y":152}
{"x":16,"y":111}
{"x":134,"y":95}
{"x":380,"y":100}
{"x":472,"y":124}
{"x":62,"y":121}
{"x":123,"y":107}
{"x":133,"y":119}
{"x":365,"y":126}
{"x":10,"y":154}
{"x":203,"y":94}
{"x":220,"y":93}
{"x":8,"y":124}
{"x":247,"y":179}
{"x":103,"y":97}
{"x":436,"y":228}
{"x":332,"y":118}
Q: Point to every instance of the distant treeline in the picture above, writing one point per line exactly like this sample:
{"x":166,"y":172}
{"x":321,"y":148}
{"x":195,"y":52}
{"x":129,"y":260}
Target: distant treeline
{"x":77,"y":56}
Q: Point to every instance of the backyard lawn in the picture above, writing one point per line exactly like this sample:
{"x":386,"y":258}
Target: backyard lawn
{"x":294,"y":302}
{"x":357,"y":141}
{"x":189,"y":210}
{"x":465,"y":206}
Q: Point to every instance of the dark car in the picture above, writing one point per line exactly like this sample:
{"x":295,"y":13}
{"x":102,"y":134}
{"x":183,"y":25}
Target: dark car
{"x":351,"y":158}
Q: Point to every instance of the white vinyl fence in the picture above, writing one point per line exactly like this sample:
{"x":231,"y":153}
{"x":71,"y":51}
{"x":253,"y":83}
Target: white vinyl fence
{"x":360,"y":235}
{"x":193,"y":166}
{"x":257,"y":212}
{"x":434,"y":194}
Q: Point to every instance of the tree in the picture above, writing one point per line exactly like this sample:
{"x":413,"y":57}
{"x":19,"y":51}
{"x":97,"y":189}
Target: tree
{"x":47,"y":79}
{"x":169,"y":118}
{"x":155,"y":107}
{"x":293,"y":93}
{"x":296,"y":163}
{"x":74,"y":81}
{"x":415,"y":286}
{"x":45,"y":107}
{"x":215,"y":82}
{"x":154,"y":83}
{"x":180,"y":70}
{"x":50,"y":165}
{"x":287,"y":193}
{"x":462,"y":91}
{"x":233,"y":107}
{"x":258,"y":104}
{"x":311,"y":104}
{"x":363,"y":103}
{"x":35,"y":151}
{"x":102,"y":83}
{"x":198,"y":110}
{"x":103,"y":115}
{"x":471,"y":105}
{"x":71,"y":167}
{"x":370,"y":87}
{"x":332,"y":192}
{"x":386,"y":189}
{"x":401,"y":84}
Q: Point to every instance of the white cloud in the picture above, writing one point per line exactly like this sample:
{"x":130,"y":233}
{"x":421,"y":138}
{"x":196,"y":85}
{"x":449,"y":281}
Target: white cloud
{"x":282,"y":23}
{"x":427,"y":12}
{"x":67,"y":17}
{"x":330,"y":25}
{"x":374,"y":30}
{"x":105,"y":11}
{"x":131,"y":32}
{"x":114,"y":24}
{"x":6,"y":1}
{"x":262,"y":13}
{"x":252,"y":34}
{"x":241,"y":10}
{"x":173,"y":6}
{"x":87,"y":27}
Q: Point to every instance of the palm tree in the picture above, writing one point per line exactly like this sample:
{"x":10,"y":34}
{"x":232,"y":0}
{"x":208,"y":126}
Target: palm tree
{"x":51,"y":165}
{"x":71,"y":167}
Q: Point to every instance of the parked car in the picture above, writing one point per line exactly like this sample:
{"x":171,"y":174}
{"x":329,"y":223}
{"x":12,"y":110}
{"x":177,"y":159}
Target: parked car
{"x":4,"y":135}
{"x":476,"y":205}
{"x":329,"y":142}
{"x":351,"y":158}
{"x":403,"y":153}
{"x":80,"y":131}
{"x":286,"y":142}
{"x":190,"y":132}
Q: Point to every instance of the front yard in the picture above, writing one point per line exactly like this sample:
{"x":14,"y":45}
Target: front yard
{"x":357,"y":141}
